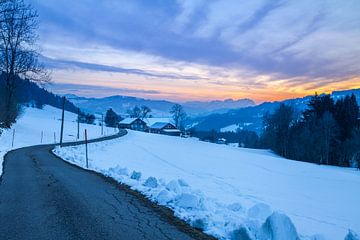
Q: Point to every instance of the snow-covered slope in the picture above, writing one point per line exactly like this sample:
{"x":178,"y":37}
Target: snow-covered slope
{"x":36,"y":122}
{"x":231,"y":191}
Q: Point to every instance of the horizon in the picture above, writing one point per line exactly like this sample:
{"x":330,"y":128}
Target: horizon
{"x":201,"y":50}
{"x":59,"y":90}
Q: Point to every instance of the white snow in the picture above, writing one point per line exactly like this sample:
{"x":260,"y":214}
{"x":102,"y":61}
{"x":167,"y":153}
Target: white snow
{"x":36,"y":122}
{"x":230,"y":128}
{"x":230,"y":191}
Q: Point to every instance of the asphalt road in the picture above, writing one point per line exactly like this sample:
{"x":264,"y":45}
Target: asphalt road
{"x":43,"y":197}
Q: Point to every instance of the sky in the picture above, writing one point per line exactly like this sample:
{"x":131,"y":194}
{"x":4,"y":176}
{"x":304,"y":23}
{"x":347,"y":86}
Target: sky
{"x":184,"y":50}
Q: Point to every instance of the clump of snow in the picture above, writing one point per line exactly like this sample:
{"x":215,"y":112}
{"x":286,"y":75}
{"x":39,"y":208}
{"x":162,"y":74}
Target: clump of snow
{"x":187,"y":200}
{"x":151,"y":182}
{"x":182,"y":183}
{"x":232,"y":193}
{"x":174,"y":186}
{"x":259,"y":211}
{"x":164,"y":197}
{"x":246,"y":231}
{"x":278,"y":226}
{"x":118,"y":171}
{"x":135,"y":175}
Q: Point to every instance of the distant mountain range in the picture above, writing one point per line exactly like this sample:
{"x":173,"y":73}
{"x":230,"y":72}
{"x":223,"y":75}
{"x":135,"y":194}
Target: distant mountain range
{"x":160,"y":108}
{"x":250,"y":118}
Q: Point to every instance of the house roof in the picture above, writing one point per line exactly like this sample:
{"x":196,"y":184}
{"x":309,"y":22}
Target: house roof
{"x":159,"y":125}
{"x":128,"y":120}
{"x":152,"y":121}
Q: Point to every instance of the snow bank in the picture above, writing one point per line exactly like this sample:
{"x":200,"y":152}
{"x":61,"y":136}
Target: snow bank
{"x":232,"y":193}
{"x":42,"y":126}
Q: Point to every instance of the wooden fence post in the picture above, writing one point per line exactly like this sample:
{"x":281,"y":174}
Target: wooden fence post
{"x":86,"y":150}
{"x":62,"y":122}
{"x":13,"y":138}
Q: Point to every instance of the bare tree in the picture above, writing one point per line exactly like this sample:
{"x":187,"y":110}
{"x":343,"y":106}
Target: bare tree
{"x":179,"y":115}
{"x":144,"y":112}
{"x":18,"y":53}
{"x":134,"y":112}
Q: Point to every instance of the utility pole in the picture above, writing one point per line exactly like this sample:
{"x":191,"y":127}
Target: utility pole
{"x":42,"y":135}
{"x":102,"y":124}
{"x":62,"y":122}
{"x":13,"y":138}
{"x":86,"y":150}
{"x":78,"y":124}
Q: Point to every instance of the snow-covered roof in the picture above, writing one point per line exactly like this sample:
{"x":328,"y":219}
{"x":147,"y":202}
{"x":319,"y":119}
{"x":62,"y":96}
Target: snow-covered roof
{"x":128,"y":120}
{"x":151,"y":121}
{"x":159,"y":125}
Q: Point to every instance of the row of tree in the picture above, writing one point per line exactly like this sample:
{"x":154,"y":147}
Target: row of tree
{"x":328,"y":131}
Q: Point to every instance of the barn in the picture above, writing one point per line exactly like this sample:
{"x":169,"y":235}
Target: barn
{"x":165,"y":128}
{"x":133,"y":124}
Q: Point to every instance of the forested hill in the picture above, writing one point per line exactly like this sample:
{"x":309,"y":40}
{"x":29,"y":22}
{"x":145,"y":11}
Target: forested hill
{"x":30,"y":92}
{"x":251,"y":118}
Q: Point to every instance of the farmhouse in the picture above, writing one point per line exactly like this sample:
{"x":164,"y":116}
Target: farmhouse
{"x":133,"y":124}
{"x":165,"y":128}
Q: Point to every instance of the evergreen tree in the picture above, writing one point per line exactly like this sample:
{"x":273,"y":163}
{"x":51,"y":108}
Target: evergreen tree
{"x":111,"y":118}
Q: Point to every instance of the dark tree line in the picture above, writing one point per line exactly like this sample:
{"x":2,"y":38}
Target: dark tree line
{"x":243,"y":138}
{"x":27,"y":93}
{"x":18,"y":55}
{"x":328,"y":132}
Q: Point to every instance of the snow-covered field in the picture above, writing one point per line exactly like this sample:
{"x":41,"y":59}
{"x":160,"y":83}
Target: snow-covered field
{"x":231,"y":192}
{"x":230,"y":128}
{"x":46,"y":122}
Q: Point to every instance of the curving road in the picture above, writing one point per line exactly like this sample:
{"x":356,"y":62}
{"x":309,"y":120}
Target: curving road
{"x":43,"y":197}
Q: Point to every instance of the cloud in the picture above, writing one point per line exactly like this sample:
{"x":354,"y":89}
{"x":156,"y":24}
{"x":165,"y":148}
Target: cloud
{"x":198,"y":43}
{"x":98,"y":91}
{"x":69,"y":64}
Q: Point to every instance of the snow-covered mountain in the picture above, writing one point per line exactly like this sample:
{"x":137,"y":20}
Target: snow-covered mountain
{"x":160,"y":108}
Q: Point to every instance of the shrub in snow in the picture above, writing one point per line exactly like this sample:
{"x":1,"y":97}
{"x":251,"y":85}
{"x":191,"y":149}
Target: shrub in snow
{"x":136,"y":175}
{"x":151,"y":182}
{"x":174,"y":186}
{"x":164,"y":197}
{"x":278,"y":226}
{"x":182,"y":183}
{"x":352,"y":236}
{"x":236,"y":207}
{"x":259,"y":211}
{"x":187,"y":200}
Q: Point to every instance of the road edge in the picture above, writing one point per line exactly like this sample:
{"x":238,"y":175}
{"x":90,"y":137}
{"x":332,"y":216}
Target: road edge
{"x":167,"y":213}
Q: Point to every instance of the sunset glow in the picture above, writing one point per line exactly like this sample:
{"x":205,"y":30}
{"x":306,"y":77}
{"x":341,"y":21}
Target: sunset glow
{"x":233,"y":49}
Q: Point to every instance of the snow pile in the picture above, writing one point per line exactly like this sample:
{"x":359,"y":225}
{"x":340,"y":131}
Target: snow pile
{"x":231,"y":193}
{"x":42,"y":126}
